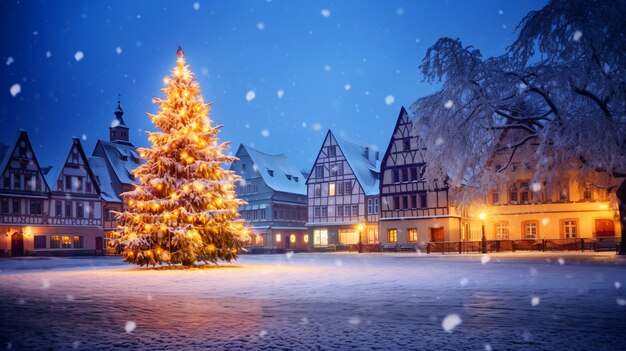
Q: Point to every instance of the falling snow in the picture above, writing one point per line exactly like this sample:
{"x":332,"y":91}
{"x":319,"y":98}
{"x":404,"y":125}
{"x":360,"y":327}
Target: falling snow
{"x":78,"y":55}
{"x":250,"y":95}
{"x":84,"y":137}
{"x":484,"y":259}
{"x":115,"y":123}
{"x":260,"y":26}
{"x":196,"y":6}
{"x":448,"y":104}
{"x":265,"y":133}
{"x":389,"y":99}
{"x":48,"y":54}
{"x":534,"y":301}
{"x":347,"y":87}
{"x":280,"y":93}
{"x":118,"y":50}
{"x":15,"y":89}
{"x":10,"y":60}
{"x":450,"y":322}
{"x":577,"y":35}
{"x":130,"y":326}
{"x":325,"y":12}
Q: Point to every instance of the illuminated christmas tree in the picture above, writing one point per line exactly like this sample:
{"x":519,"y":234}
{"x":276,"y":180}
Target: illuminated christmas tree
{"x":184,"y":209}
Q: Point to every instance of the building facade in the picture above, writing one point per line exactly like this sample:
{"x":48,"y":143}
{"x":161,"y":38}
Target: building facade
{"x":342,"y":192}
{"x":413,"y":212}
{"x":522,"y":209}
{"x":113,"y":162}
{"x":275,"y":191}
{"x":36,"y":219}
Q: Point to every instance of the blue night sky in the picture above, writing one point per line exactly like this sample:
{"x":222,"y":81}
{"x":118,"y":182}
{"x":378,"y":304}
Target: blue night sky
{"x":338,"y":64}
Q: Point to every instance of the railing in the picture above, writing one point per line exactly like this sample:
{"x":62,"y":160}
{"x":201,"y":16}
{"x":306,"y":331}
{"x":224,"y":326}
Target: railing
{"x":583,"y":244}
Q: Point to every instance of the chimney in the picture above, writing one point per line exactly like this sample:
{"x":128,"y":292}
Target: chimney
{"x":377,"y":156}
{"x":366,"y":153}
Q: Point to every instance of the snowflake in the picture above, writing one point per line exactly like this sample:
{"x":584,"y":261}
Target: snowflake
{"x":304,"y":320}
{"x":10,"y":60}
{"x":130,"y":326}
{"x":196,"y":6}
{"x":317,"y":127}
{"x":250,"y":95}
{"x":115,"y":123}
{"x":577,"y":35}
{"x":118,"y":50}
{"x":484,"y":259}
{"x":450,"y":322}
{"x":325,"y":12}
{"x":48,"y":54}
{"x":15,"y":89}
{"x":354,"y":320}
{"x":260,"y":26}
{"x":536,"y":187}
{"x":69,"y":297}
{"x":262,"y":333}
{"x":500,"y":12}
{"x":464,"y":281}
{"x":280,"y":93}
{"x":265,"y":133}
{"x":535,"y":300}
{"x":617,"y":285}
{"x":448,"y":105}
{"x":289,"y":254}
{"x":327,"y":68}
{"x":347,"y":86}
{"x":84,"y":136}
{"x":79,"y":55}
{"x":561,"y":261}
{"x":620,"y":301}
{"x":303,"y":124}
{"x":399,"y":11}
{"x":439,"y":141}
{"x":45,"y":284}
{"x":389,"y":99}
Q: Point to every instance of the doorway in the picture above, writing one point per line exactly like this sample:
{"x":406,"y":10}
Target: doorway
{"x":436,"y":234}
{"x":17,"y":245}
{"x":604,"y":228}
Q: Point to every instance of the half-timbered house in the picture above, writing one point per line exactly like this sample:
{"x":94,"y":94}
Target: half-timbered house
{"x":413,"y":212}
{"x":342,"y":192}
{"x":37,"y":219}
{"x":275,"y":192}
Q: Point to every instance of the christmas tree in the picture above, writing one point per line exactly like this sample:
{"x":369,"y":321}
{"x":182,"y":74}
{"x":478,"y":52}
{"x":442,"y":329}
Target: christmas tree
{"x":184,"y":209}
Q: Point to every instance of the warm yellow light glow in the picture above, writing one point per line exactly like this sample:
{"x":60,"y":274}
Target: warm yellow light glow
{"x":482,"y":216}
{"x":604,"y":206}
{"x":359,"y":227}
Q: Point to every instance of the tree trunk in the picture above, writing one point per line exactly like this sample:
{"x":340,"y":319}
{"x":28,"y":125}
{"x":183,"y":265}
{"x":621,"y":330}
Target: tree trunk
{"x":621,"y":201}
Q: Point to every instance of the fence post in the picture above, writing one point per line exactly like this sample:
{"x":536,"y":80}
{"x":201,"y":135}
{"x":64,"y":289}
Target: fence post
{"x":428,"y":248}
{"x":460,"y":247}
{"x":513,"y":245}
{"x":543,"y":245}
{"x":582,"y":245}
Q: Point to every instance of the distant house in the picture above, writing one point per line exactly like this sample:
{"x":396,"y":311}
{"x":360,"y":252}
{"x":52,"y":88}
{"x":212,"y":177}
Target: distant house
{"x":113,"y":162}
{"x":38,"y":220}
{"x":412,"y":211}
{"x":276,"y":194}
{"x":343,"y":194}
{"x":522,"y":209}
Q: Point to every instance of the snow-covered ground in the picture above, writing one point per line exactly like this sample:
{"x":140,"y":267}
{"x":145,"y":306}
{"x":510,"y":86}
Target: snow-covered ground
{"x":319,"y":301}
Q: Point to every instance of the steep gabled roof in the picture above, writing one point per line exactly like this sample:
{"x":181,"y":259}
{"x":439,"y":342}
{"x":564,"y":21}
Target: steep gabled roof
{"x":361,"y":159}
{"x":99,"y":168}
{"x":23,"y":135}
{"x":277,"y":171}
{"x":53,"y":176}
{"x":123,"y":158}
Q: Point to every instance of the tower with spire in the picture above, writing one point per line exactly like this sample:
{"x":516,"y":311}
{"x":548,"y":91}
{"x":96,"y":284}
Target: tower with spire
{"x":118,"y":132}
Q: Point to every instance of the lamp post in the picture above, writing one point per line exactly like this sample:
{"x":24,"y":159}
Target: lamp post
{"x":360,"y":228}
{"x":482,"y":217}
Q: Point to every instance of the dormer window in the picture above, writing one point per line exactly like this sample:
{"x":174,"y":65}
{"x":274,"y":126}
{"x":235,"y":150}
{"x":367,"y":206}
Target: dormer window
{"x":270,"y":172}
{"x":124,"y":158}
{"x":296,"y":179}
{"x":288,"y":176}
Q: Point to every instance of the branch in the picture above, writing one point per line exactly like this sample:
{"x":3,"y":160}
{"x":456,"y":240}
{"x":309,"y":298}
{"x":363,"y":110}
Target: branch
{"x":601,"y":104}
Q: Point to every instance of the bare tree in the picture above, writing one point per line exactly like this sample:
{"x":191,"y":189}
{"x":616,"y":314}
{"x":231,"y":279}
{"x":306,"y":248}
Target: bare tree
{"x":562,"y":83}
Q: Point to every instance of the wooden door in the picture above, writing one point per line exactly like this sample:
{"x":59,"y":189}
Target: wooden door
{"x":605,"y":227}
{"x":99,"y":243}
{"x":436,"y":234}
{"x":17,"y":245}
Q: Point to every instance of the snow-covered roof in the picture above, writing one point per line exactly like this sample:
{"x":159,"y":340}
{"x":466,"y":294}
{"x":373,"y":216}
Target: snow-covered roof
{"x":362,"y":160}
{"x":4,"y":155}
{"x":123,"y":158}
{"x":99,"y":169}
{"x":278,"y":172}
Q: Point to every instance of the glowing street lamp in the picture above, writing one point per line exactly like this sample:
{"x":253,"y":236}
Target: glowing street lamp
{"x":482,"y":217}
{"x":360,"y":229}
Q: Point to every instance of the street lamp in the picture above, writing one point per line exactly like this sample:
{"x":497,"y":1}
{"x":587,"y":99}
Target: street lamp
{"x":360,"y":229}
{"x":482,"y":217}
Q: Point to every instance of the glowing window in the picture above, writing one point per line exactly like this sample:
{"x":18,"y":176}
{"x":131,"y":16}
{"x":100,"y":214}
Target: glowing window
{"x":278,"y":238}
{"x":292,"y":238}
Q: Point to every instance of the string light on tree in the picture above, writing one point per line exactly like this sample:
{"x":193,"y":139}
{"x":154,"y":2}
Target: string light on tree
{"x":184,"y":209}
